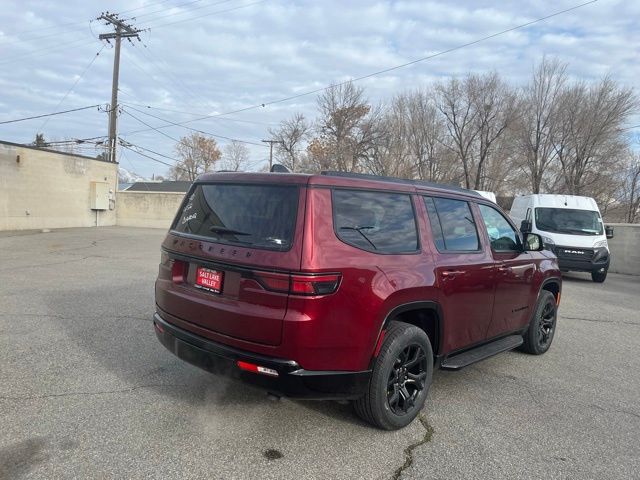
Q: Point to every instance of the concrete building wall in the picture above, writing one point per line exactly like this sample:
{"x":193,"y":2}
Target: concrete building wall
{"x":46,"y":189}
{"x":147,"y":209}
{"x":625,"y":248}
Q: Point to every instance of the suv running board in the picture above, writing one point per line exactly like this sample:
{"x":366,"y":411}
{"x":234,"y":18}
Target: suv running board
{"x":456,"y":362}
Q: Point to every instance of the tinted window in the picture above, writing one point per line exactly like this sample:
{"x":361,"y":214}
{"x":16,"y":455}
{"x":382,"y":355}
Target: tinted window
{"x":375,"y":221}
{"x":452,"y":224}
{"x":261,"y":216}
{"x":501,"y":234}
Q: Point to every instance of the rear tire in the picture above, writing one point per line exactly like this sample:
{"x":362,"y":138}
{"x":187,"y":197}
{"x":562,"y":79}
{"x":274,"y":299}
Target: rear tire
{"x":542,"y":326}
{"x":599,"y":277}
{"x":400,"y":379}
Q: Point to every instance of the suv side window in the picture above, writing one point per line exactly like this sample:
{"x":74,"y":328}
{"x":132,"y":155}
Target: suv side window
{"x":501,"y":234}
{"x":381,"y":222}
{"x":452,"y":225}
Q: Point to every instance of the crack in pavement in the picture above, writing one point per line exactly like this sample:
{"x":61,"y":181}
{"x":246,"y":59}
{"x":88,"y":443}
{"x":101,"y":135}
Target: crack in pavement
{"x":105,"y":392}
{"x":599,"y":320}
{"x":408,"y":452}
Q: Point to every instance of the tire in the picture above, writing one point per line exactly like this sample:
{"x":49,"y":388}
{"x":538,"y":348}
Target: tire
{"x":542,"y":326}
{"x":599,"y":277}
{"x":400,"y":379}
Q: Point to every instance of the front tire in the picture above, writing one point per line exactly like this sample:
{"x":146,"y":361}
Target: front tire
{"x":542,"y":326}
{"x":599,"y":277}
{"x":400,"y":379}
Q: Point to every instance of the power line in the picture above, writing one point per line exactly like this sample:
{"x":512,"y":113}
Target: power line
{"x":204,"y":15}
{"x":123,"y":142}
{"x":171,"y":7}
{"x":148,"y":156}
{"x":45,"y":51}
{"x":73,"y":86}
{"x":396,"y":67}
{"x":150,"y":127}
{"x":131,"y":104}
{"x":143,"y":6}
{"x":50,"y":114}
{"x":188,"y":128}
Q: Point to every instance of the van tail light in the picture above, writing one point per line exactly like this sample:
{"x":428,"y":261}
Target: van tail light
{"x":299,"y":284}
{"x":178,"y":271}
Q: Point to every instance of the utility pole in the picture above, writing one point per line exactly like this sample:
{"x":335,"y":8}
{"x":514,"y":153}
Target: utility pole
{"x":122,"y":30}
{"x":271,"y":142}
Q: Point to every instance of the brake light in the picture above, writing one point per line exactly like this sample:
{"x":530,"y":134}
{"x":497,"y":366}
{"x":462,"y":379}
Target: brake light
{"x":252,"y":367}
{"x":299,"y":284}
{"x":178,"y":271}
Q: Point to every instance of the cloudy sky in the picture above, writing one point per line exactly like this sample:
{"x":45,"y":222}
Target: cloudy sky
{"x":208,"y":57}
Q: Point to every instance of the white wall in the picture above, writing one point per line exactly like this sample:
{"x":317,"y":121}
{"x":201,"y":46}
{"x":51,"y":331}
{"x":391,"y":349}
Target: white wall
{"x":147,"y":209}
{"x":625,"y":248}
{"x":44,"y":189}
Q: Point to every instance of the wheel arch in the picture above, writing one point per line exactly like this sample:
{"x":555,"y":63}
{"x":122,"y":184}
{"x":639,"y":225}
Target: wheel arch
{"x":553,"y":285}
{"x":426,"y":315}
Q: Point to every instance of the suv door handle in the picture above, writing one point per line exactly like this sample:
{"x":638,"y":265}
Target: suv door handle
{"x":504,"y":268}
{"x":451,"y":273}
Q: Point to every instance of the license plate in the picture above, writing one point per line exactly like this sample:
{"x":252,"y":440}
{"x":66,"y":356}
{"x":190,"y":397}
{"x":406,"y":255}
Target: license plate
{"x":210,"y":280}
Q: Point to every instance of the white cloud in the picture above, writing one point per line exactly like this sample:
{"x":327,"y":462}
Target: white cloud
{"x":278,"y":48}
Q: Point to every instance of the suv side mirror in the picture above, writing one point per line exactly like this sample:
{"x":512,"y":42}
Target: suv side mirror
{"x":525,"y":226}
{"x":609,"y":231}
{"x":532,"y":242}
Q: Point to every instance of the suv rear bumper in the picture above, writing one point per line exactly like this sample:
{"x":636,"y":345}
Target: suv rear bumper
{"x":291,"y":381}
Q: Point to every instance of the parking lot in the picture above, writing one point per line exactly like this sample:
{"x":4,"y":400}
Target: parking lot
{"x":86,"y":390}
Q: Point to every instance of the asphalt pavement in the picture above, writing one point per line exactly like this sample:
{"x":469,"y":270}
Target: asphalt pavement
{"x":86,"y":390}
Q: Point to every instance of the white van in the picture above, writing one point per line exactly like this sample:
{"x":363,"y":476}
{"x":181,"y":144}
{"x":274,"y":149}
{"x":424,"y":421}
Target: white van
{"x":488,"y":195}
{"x":570,"y":226}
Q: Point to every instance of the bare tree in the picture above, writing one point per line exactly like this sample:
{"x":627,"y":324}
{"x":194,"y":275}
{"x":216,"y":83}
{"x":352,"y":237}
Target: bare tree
{"x":494,"y":103}
{"x":291,"y":135}
{"x":455,"y":102}
{"x":347,"y":127}
{"x":235,"y":156}
{"x":630,"y":191}
{"x":539,"y":107}
{"x":197,"y":154}
{"x":589,"y":139}
{"x":478,"y":111}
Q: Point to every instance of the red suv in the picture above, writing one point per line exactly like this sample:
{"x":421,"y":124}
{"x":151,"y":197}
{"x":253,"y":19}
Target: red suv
{"x":348,"y":286}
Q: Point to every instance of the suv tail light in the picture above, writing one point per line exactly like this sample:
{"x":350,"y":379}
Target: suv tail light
{"x":178,"y":271}
{"x":299,"y":284}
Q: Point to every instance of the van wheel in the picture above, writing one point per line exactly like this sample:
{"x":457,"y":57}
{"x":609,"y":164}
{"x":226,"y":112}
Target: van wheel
{"x":400,"y":379}
{"x":599,"y":277}
{"x":542,"y":327}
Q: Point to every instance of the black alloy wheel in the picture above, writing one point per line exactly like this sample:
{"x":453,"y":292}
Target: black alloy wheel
{"x":400,"y":379}
{"x":407,"y":379}
{"x":546,"y":325}
{"x":542,"y":326}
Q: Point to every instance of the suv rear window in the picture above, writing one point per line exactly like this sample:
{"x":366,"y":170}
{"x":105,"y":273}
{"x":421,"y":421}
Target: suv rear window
{"x":381,"y":222}
{"x":260,"y":216}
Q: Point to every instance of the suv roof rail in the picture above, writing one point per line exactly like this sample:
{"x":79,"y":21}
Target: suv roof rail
{"x":406,"y":181}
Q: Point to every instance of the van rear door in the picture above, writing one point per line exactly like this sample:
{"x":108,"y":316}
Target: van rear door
{"x":227,"y":259}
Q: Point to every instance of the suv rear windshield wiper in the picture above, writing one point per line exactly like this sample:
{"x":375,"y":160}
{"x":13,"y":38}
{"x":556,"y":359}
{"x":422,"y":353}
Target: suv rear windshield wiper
{"x":229,"y":231}
{"x":359,"y":230}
